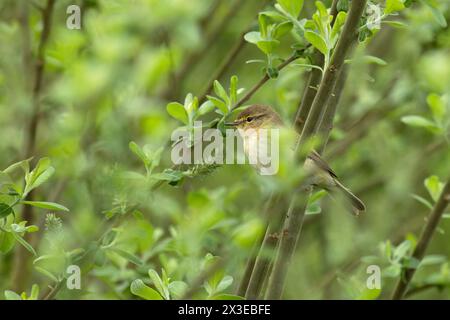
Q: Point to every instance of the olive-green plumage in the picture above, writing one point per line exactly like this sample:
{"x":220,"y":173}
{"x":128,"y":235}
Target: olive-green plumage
{"x":321,"y":175}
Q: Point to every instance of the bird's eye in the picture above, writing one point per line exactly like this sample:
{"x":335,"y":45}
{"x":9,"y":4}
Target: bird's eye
{"x":249,"y":119}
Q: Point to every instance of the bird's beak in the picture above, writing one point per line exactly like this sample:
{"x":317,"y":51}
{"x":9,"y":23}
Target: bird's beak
{"x":232,"y":124}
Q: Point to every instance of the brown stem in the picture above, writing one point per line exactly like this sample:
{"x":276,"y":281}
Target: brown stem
{"x":296,"y":212}
{"x":313,"y":82}
{"x":309,"y":93}
{"x":264,"y":79}
{"x":227,"y":62}
{"x":194,"y":58}
{"x":21,"y":264}
{"x":326,"y":125}
{"x":424,"y":240}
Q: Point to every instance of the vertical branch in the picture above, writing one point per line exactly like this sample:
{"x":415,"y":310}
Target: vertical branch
{"x":309,"y":93}
{"x":265,"y":250}
{"x":21,"y":259}
{"x":326,"y":125}
{"x":313,"y":82}
{"x":424,"y":240}
{"x":296,"y":212}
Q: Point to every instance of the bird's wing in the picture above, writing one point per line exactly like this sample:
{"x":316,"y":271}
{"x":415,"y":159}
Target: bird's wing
{"x":321,"y":163}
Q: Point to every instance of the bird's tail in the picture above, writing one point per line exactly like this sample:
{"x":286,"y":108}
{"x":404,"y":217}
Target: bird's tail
{"x":357,"y":205}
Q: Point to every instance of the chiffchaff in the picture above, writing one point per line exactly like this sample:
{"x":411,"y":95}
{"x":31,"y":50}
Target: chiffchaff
{"x":256,"y":117}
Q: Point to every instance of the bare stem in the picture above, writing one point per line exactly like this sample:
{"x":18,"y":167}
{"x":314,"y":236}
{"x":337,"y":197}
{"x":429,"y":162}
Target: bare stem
{"x":20,"y":268}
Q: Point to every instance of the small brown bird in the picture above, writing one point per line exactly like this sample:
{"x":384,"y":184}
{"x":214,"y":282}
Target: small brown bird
{"x":256,"y":117}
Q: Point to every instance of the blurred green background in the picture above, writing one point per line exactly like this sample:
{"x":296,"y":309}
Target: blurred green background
{"x":109,"y":83}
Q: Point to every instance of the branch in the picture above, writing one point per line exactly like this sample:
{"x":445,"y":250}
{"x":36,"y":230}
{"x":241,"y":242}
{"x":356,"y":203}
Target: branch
{"x":20,"y":267}
{"x":296,"y":212}
{"x":194,"y":58}
{"x":424,"y":240}
{"x":266,"y":249}
{"x":309,"y":93}
{"x":266,"y":78}
{"x":348,"y":37}
{"x":313,"y":82}
{"x":326,"y":125}
{"x":224,"y":66}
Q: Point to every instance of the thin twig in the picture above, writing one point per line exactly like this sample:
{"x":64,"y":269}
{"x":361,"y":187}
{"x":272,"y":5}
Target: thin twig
{"x":195,"y":57}
{"x":424,"y":240}
{"x":226,"y":64}
{"x":266,"y":78}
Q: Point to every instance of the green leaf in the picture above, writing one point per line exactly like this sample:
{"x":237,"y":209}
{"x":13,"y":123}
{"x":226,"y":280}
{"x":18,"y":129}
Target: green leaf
{"x":293,"y":7}
{"x":267,"y":46}
{"x":263,"y":21}
{"x":313,"y":208}
{"x":421,"y":122}
{"x":46,"y":273}
{"x":127,"y":255}
{"x":24,"y":164}
{"x":177,"y":289}
{"x":369,"y":294}
{"x":316,"y":196}
{"x":338,"y":24}
{"x":253,"y":37}
{"x":205,"y":108}
{"x":224,"y":283}
{"x":233,"y":89}
{"x":41,"y":173}
{"x":219,"y":104}
{"x":437,"y":14}
{"x":134,"y":147}
{"x":5,"y":210}
{"x":434,"y":187}
{"x":402,"y":250}
{"x":6,"y":242}
{"x":274,"y":16}
{"x":395,"y":24}
{"x":423,"y":201}
{"x":24,"y":243}
{"x":158,"y":283}
{"x":393,"y":271}
{"x":281,"y":29}
{"x":139,"y":289}
{"x":11,"y":295}
{"x":34,"y":295}
{"x":437,"y":106}
{"x":393,"y":6}
{"x":46,"y":205}
{"x":317,"y":41}
{"x":220,"y":92}
{"x":433,"y":259}
{"x":168,"y":175}
{"x":177,"y":111}
{"x":375,"y":60}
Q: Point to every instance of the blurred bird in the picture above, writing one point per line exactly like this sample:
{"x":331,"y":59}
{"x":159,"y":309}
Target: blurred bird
{"x":256,"y":117}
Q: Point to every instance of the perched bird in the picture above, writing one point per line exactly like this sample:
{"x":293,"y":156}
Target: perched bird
{"x":256,"y":117}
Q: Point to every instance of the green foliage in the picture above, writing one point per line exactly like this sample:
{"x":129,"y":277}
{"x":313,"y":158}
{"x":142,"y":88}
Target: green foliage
{"x":440,"y":124}
{"x":139,"y":227}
